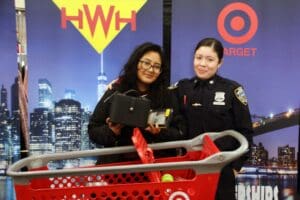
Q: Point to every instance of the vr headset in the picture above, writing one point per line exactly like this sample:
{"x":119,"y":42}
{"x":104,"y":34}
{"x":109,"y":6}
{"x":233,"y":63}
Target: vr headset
{"x":135,"y":111}
{"x":129,"y":110}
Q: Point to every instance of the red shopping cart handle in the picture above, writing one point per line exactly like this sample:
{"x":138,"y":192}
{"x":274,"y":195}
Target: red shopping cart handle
{"x":145,"y":153}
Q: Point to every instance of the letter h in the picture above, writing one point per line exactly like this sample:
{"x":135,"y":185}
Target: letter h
{"x":65,"y":18}
{"x":131,"y":20}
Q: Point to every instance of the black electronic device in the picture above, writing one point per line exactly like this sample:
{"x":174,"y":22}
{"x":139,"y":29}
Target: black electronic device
{"x":129,"y":110}
{"x":160,"y":118}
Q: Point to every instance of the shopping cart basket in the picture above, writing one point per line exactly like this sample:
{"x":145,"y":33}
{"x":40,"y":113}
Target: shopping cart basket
{"x":194,"y":175}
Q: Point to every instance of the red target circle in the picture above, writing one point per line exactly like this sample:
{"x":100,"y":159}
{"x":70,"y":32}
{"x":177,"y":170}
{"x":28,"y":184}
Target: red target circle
{"x":237,"y":23}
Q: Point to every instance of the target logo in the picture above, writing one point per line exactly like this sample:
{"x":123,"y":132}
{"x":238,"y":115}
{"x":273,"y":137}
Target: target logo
{"x":179,"y":195}
{"x":237,"y":23}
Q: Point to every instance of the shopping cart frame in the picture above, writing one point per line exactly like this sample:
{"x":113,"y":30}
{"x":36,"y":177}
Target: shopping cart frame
{"x":210,"y":164}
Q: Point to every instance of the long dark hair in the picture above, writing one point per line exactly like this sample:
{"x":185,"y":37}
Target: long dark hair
{"x":128,"y":75}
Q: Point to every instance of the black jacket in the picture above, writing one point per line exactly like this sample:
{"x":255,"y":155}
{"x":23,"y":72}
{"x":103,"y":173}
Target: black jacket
{"x":214,"y":105}
{"x":102,"y":135}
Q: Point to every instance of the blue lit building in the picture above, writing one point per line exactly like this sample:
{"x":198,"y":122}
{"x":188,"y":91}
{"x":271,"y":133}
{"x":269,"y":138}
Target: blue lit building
{"x":45,"y":94}
{"x":67,"y":123}
{"x":102,"y":80}
{"x":41,"y":129}
{"x":70,"y":94}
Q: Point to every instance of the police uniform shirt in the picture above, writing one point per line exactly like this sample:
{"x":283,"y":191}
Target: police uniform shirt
{"x":213,"y":105}
{"x":216,"y":105}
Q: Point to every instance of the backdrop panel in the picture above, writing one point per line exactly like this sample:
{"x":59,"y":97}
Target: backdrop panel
{"x":9,"y":115}
{"x":261,"y":52}
{"x":64,"y":65}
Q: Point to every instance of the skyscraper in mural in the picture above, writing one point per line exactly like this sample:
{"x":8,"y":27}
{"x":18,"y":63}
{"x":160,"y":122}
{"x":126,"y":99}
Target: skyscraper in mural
{"x":15,"y":120}
{"x":102,"y":80}
{"x":4,"y":131}
{"x":45,"y":94}
{"x":67,"y":123}
{"x":41,"y":131}
{"x":41,"y":120}
{"x":14,"y":97}
{"x":3,"y":97}
{"x":70,"y":94}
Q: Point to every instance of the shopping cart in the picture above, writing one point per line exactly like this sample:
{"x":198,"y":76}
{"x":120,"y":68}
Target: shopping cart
{"x":194,"y":175}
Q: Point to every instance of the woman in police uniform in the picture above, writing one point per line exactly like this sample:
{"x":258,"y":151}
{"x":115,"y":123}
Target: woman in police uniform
{"x":211,"y":103}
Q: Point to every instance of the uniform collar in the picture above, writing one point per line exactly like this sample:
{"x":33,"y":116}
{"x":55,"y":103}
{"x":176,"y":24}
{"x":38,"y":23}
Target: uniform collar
{"x":208,"y":82}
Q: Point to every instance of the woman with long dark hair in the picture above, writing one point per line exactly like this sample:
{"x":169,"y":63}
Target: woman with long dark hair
{"x":145,"y":73}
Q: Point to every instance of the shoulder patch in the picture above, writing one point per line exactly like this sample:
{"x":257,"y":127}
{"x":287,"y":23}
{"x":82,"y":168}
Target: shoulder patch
{"x":240,"y":95}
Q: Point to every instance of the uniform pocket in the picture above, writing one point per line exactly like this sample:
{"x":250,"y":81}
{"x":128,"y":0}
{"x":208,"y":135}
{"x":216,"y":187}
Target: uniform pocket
{"x":219,"y":118}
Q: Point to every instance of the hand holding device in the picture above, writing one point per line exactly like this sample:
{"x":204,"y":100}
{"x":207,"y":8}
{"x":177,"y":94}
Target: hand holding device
{"x":160,"y":118}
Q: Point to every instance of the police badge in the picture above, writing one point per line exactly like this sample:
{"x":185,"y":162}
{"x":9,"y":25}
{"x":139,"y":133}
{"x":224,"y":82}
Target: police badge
{"x":219,"y":98}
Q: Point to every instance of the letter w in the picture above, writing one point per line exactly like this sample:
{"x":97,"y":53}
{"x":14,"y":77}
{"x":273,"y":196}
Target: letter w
{"x":99,"y":13}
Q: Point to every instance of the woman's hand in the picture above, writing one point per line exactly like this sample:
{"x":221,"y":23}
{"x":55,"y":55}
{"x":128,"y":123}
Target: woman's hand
{"x":235,"y":172}
{"x":116,"y":128}
{"x":153,"y":129}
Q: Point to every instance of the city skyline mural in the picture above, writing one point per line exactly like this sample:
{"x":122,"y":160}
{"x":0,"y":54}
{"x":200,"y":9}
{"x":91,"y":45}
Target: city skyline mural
{"x":67,"y":73}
